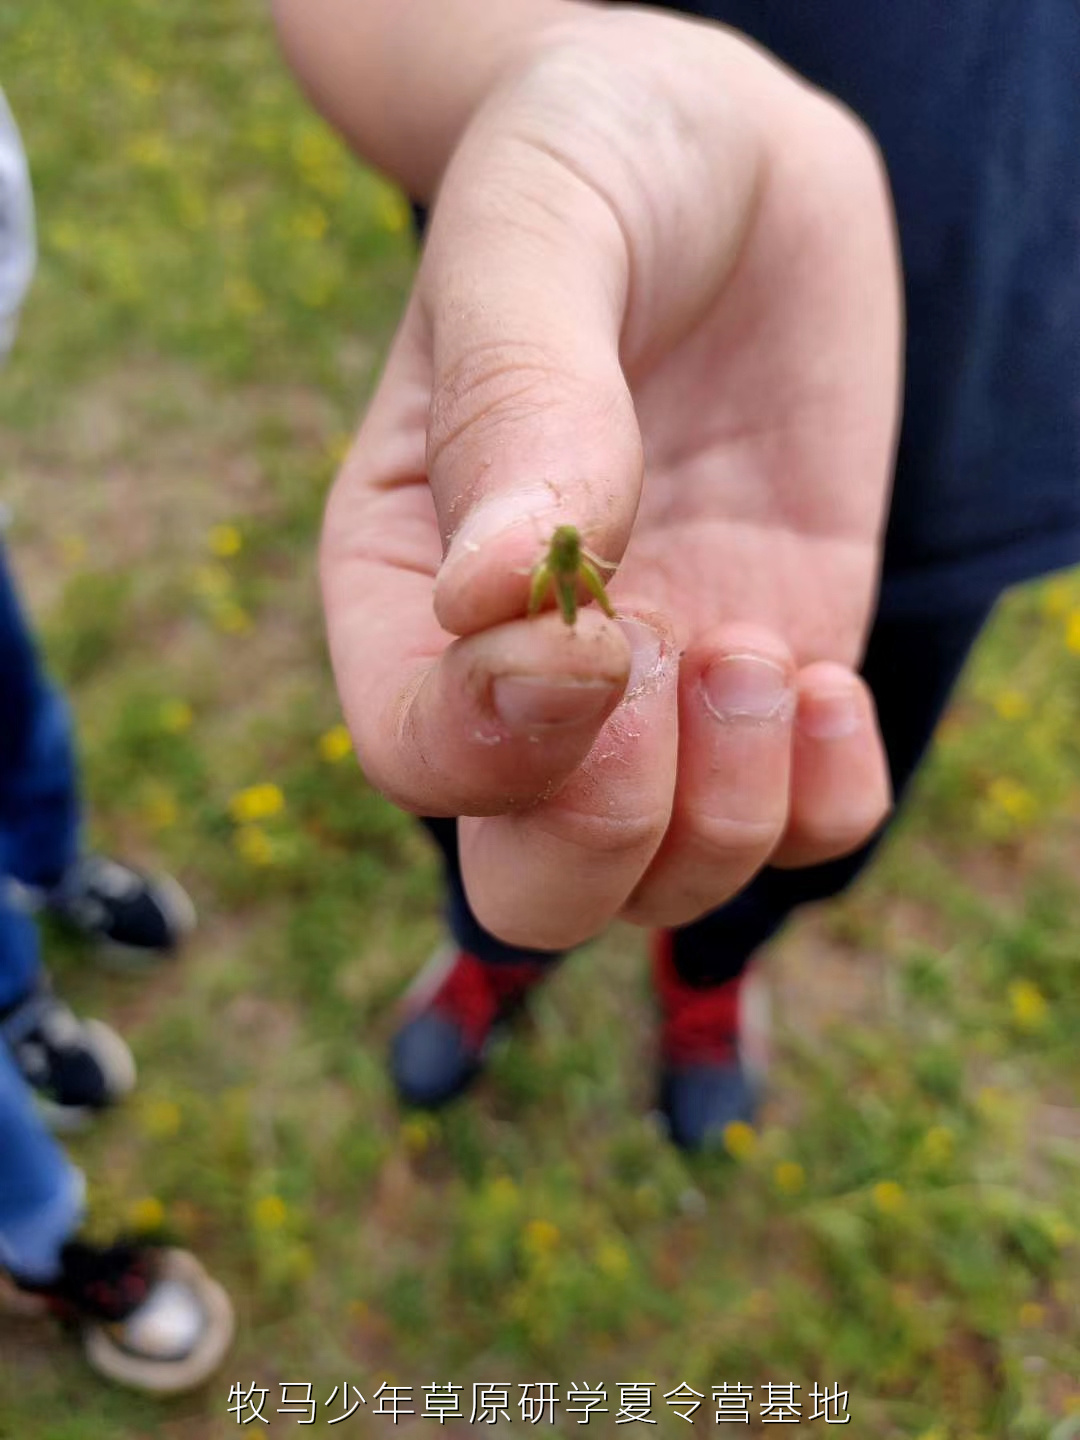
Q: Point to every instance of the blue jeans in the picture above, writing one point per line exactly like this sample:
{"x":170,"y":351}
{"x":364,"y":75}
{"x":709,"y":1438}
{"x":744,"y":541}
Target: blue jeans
{"x":41,"y":1192}
{"x":39,"y":803}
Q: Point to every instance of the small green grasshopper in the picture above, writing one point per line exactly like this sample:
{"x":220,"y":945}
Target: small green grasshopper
{"x":566,"y":562}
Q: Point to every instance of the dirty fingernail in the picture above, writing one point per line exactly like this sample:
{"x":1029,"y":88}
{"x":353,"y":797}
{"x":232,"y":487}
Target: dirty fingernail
{"x":525,"y":702}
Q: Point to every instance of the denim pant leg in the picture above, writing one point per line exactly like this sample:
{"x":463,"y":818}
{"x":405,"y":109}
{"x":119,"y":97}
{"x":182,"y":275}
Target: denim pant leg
{"x":911,"y":665}
{"x":20,"y":959}
{"x":41,"y":1192}
{"x":39,"y":798}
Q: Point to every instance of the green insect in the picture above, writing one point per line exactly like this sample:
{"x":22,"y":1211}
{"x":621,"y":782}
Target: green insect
{"x":566,"y":562}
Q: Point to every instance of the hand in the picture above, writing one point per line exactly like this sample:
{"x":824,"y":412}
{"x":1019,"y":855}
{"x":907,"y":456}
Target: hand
{"x":659,"y":301}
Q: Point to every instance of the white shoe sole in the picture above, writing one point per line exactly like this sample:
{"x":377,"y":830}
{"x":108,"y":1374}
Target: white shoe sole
{"x":169,"y":1377}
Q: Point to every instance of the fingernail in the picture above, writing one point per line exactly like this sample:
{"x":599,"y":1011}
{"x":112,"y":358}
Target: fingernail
{"x":646,"y":647}
{"x":526,"y":702}
{"x":747,"y":687}
{"x":830,"y":715}
{"x":502,"y":512}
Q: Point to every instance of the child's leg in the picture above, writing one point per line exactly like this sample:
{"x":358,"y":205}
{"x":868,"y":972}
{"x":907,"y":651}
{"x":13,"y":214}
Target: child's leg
{"x":41,"y":1193}
{"x":20,"y":962}
{"x":464,"y":991}
{"x":39,"y":805}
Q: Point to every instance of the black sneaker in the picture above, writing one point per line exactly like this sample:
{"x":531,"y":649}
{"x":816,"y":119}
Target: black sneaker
{"x":150,"y":1318}
{"x":75,"y":1067}
{"x":121,"y":907}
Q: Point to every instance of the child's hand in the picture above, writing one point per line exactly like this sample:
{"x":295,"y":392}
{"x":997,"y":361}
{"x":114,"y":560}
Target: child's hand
{"x":651,"y":245}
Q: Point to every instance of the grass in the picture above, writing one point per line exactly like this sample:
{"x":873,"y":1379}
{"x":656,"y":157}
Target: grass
{"x":217,"y":284}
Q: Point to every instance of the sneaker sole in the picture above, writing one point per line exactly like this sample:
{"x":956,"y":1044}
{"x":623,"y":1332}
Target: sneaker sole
{"x":170,"y":1377}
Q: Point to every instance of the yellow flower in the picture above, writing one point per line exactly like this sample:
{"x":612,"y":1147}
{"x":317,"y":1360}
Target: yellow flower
{"x":938,"y":1144}
{"x":269,"y":1213}
{"x":146,"y":1214}
{"x":1014,"y":799}
{"x":1032,"y":1316}
{"x":161,"y":1118}
{"x":1072,"y":632}
{"x":889,"y":1197}
{"x":1072,"y":1403}
{"x":1028,"y":1005}
{"x":1012,"y":704}
{"x":335,"y":744}
{"x":253,"y":845}
{"x":740,"y":1139}
{"x":612,"y":1259}
{"x":224,"y":541}
{"x":231,"y":618}
{"x":790,"y":1177}
{"x":257,"y":802}
{"x":541,"y":1237}
{"x":175,"y":716}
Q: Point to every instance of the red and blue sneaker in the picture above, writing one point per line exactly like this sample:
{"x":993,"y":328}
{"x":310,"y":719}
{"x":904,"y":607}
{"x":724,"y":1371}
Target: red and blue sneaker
{"x":712,"y":1052}
{"x":452,"y":1012}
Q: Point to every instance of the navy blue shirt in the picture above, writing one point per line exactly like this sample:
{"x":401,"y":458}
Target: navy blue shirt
{"x":976,"y":107}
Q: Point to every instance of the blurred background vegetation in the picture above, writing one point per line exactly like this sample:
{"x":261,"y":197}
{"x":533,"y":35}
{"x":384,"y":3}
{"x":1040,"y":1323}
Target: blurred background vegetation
{"x":217,"y":284}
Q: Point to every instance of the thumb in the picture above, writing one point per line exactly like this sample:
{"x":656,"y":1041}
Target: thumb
{"x":523,"y":289}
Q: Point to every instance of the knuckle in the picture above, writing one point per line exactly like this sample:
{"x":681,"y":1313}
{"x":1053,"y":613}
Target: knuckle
{"x":831,"y":837}
{"x":613,"y":838}
{"x":490,"y":385}
{"x":726,"y":839}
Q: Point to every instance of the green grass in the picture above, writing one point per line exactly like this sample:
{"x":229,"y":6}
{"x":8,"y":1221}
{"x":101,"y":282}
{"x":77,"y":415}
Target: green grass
{"x":217,"y":285}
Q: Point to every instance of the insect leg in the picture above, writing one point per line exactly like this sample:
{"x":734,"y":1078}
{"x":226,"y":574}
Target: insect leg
{"x":595,"y":587}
